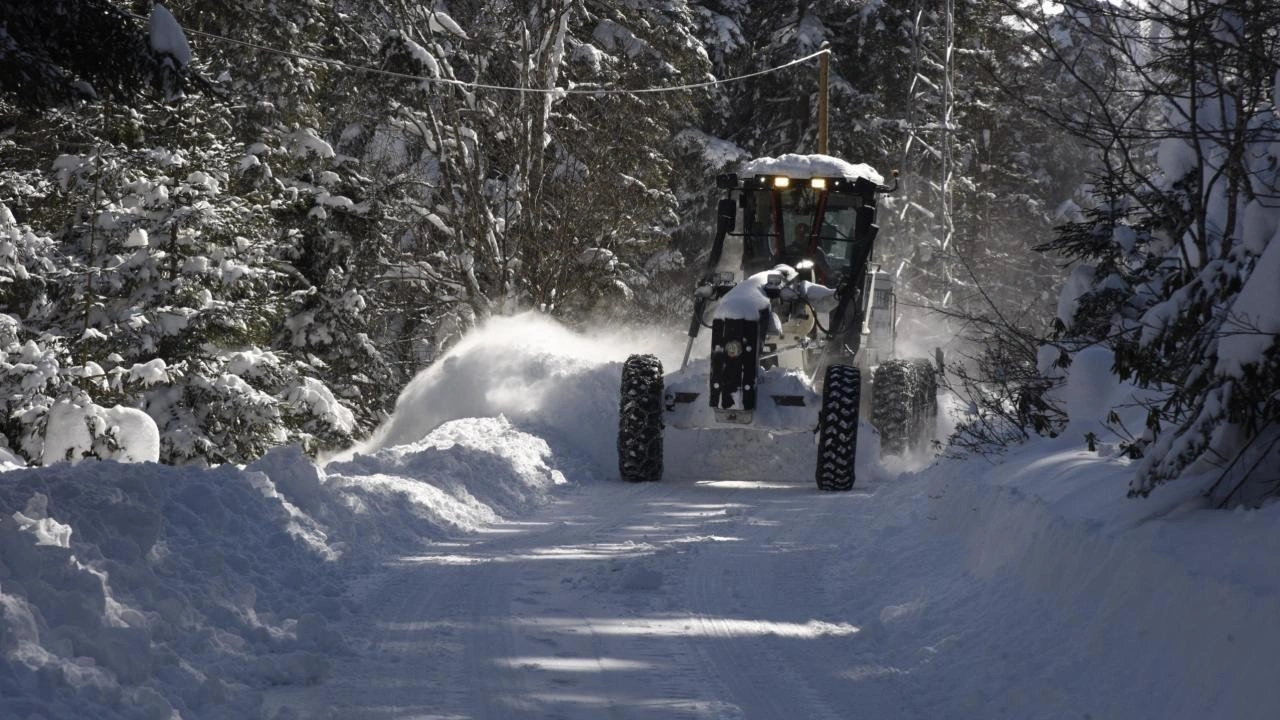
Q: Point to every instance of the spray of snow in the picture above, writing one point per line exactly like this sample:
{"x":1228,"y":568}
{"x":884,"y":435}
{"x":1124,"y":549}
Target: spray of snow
{"x":533,"y":371}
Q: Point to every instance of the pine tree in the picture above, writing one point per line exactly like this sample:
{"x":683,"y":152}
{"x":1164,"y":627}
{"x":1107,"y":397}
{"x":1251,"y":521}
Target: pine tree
{"x":1178,"y":252}
{"x":55,"y":51}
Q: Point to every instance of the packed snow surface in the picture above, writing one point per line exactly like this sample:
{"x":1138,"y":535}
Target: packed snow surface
{"x":481,"y":559}
{"x":811,"y":166}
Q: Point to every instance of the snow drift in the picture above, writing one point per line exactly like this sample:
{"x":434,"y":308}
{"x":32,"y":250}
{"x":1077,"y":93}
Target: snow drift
{"x":141,"y":591}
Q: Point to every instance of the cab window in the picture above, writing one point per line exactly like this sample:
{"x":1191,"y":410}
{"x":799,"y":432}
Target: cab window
{"x":836,"y":235}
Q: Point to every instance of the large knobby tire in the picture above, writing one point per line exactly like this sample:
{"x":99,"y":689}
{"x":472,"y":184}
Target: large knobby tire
{"x":640,"y":420}
{"x":925,"y":396}
{"x":893,"y":395}
{"x":838,"y":428}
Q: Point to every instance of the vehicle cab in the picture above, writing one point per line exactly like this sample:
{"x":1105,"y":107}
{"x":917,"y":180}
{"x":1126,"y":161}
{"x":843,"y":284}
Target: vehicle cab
{"x":805,"y":207}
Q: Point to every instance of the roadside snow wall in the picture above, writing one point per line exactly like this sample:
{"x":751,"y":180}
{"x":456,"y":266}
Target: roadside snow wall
{"x":1168,"y":608}
{"x":137,"y":591}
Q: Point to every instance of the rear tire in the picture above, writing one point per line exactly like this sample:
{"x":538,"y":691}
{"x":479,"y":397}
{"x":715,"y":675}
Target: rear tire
{"x":892,"y":403}
{"x":904,"y":405}
{"x":838,"y":428}
{"x":926,"y":405}
{"x":640,"y":420}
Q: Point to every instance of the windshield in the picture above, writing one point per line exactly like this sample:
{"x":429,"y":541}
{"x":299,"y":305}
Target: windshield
{"x":836,"y":236}
{"x":779,"y":227}
{"x":799,"y":207}
{"x":758,"y":233}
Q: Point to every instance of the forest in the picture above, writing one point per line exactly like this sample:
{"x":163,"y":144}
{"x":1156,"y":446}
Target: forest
{"x":257,"y":221}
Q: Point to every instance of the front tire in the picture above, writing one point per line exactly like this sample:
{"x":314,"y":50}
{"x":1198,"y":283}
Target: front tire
{"x":640,"y":420}
{"x":838,"y":428}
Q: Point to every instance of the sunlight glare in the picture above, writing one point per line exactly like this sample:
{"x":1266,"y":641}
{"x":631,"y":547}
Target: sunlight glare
{"x":694,"y":627}
{"x":560,"y":664}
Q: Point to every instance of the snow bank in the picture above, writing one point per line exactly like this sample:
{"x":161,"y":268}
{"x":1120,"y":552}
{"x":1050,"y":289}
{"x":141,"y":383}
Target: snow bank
{"x":810,"y":166}
{"x":1165,"y":606}
{"x":148,"y":591}
{"x":140,"y":591}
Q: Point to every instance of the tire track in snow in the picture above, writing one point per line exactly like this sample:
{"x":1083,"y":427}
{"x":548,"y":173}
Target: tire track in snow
{"x":761,"y":674}
{"x":612,"y":602}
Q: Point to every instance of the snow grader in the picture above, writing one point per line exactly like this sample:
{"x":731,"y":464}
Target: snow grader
{"x":803,"y":327}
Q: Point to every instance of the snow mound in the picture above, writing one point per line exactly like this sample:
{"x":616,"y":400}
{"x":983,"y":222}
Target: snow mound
{"x":112,"y":573}
{"x":1092,"y":390}
{"x":117,"y":433}
{"x":811,"y":166}
{"x":481,"y":470}
{"x":148,"y":591}
{"x":167,"y":37}
{"x":1154,"y":607}
{"x":746,"y":301}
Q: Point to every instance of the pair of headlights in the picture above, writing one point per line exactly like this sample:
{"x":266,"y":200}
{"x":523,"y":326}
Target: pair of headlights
{"x":782,"y":181}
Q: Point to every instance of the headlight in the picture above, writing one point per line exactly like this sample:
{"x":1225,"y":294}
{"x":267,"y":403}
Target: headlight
{"x":818,"y":183}
{"x":733,"y":348}
{"x":781,"y":182}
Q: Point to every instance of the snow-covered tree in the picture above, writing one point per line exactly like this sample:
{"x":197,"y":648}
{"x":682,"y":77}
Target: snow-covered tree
{"x":1178,"y":259}
{"x":53,"y":51}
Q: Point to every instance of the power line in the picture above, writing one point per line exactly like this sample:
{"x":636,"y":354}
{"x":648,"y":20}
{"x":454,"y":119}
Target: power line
{"x":484,"y":86}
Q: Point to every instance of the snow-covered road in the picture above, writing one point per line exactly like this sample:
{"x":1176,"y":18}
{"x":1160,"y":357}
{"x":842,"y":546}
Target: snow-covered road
{"x":767,"y":599}
{"x":942,"y":593}
{"x":679,"y":599}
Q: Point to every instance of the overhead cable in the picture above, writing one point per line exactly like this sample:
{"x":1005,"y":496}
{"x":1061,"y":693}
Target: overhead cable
{"x":485,"y":86}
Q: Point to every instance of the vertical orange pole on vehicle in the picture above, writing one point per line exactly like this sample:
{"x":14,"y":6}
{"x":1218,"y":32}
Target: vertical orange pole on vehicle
{"x":822,"y":101}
